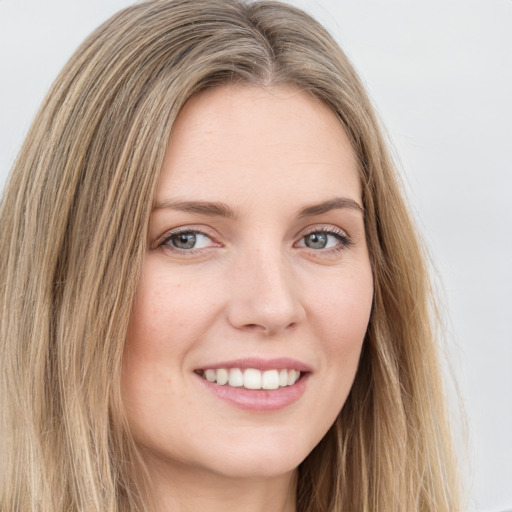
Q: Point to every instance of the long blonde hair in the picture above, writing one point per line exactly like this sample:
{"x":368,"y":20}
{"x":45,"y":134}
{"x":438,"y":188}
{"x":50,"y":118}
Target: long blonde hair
{"x":73,"y":225}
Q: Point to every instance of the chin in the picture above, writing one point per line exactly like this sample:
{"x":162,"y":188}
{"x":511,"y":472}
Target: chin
{"x":261,"y":459}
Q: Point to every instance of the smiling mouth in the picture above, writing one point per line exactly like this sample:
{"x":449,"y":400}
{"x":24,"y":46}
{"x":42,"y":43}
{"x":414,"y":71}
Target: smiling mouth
{"x":251,"y":378}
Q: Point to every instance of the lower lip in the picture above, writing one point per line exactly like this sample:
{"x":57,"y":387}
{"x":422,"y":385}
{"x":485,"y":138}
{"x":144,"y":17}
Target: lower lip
{"x":260,"y":400}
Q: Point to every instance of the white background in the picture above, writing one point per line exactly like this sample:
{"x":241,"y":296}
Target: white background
{"x":440,"y":74}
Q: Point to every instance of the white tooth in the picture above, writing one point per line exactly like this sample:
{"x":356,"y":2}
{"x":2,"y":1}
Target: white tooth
{"x":270,"y":379}
{"x":283,"y":378}
{"x":210,"y":375}
{"x":222,"y":376}
{"x":291,"y":377}
{"x":252,"y":379}
{"x":236,"y":377}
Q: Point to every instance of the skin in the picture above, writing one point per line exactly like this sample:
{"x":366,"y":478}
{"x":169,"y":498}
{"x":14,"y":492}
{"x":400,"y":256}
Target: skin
{"x":251,"y":287}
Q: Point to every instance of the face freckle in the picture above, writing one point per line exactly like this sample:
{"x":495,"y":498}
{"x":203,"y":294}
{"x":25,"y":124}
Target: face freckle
{"x":249,"y":172}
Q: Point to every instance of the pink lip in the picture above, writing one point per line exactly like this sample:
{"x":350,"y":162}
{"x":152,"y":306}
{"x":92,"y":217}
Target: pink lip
{"x":257,"y":400}
{"x":280,"y":363}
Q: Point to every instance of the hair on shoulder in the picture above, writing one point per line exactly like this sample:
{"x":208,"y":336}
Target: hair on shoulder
{"x":73,"y":224}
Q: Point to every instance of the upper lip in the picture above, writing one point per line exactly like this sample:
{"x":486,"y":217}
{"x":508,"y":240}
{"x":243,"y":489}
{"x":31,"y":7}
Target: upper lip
{"x":279,"y":363}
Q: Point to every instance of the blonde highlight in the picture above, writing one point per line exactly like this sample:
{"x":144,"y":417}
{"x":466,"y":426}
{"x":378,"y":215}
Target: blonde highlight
{"x":74,"y":217}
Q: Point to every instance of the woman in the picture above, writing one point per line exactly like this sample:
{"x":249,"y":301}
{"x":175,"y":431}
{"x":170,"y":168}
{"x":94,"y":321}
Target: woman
{"x":212,"y":292}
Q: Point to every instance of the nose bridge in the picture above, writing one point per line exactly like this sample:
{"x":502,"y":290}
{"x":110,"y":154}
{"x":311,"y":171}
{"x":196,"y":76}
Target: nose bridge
{"x":264,"y":295}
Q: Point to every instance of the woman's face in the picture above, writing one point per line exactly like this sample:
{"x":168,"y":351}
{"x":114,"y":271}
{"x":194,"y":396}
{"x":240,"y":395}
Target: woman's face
{"x":257,"y":269}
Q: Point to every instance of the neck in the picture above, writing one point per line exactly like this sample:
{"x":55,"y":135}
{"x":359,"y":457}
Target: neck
{"x":184,"y":489}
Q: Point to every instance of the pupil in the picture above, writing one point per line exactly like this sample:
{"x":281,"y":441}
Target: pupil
{"x":316,"y":240}
{"x":184,"y":241}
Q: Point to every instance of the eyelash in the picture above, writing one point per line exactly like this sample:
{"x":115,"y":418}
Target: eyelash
{"x":344,"y":240}
{"x":166,"y":242}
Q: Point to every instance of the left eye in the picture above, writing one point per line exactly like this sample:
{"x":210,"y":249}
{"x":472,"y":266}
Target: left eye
{"x":321,"y":240}
{"x":187,"y":240}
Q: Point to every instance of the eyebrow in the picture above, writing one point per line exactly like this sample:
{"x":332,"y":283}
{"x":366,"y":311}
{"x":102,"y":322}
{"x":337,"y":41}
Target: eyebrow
{"x":333,"y":204}
{"x":219,"y":209}
{"x":215,"y":209}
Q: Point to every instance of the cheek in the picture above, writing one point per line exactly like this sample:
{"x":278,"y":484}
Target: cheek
{"x":342,"y":313}
{"x":171,"y":309}
{"x":165,"y":325}
{"x":339,"y":314}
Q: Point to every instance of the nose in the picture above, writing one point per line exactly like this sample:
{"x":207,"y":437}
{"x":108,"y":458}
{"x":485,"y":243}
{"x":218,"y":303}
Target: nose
{"x":264,"y":295}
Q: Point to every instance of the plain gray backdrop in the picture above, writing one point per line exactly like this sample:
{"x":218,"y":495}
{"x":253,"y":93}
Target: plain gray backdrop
{"x":440,"y":75}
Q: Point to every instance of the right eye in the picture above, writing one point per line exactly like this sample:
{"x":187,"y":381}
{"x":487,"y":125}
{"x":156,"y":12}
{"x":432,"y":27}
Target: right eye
{"x":187,"y":241}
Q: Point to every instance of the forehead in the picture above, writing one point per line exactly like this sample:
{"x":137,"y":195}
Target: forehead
{"x":233,"y":141}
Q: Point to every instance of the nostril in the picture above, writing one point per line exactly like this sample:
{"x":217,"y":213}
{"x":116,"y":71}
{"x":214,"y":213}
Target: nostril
{"x":252,"y":327}
{"x":267,"y":330}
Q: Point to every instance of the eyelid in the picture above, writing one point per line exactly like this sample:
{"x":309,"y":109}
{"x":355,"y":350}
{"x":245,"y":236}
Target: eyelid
{"x":162,"y":241}
{"x":329,"y":229}
{"x":345,"y":241}
{"x":322,"y":228}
